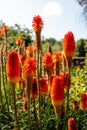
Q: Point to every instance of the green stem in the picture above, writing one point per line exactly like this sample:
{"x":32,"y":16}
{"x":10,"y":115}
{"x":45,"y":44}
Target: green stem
{"x":67,"y":105}
{"x":3,"y":82}
{"x":38,"y":83}
{"x":1,"y":100}
{"x":57,"y":123}
{"x":29,"y":82}
{"x":15,"y":109}
{"x":35,"y":115}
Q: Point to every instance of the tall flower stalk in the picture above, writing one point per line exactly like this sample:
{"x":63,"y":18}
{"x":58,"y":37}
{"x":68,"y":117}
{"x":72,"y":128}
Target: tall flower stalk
{"x":28,"y":71}
{"x":5,"y":51}
{"x":37,"y":25}
{"x":69,"y":51}
{"x":3,"y":78}
{"x":33,"y":95}
{"x":57,"y":96}
{"x":13,"y":74}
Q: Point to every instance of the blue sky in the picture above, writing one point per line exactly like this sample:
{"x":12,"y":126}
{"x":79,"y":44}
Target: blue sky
{"x":59,"y":16}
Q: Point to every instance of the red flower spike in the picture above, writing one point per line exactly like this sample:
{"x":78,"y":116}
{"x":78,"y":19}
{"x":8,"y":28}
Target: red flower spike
{"x":72,"y":124}
{"x":34,"y":89}
{"x":69,"y":46}
{"x":22,"y":58}
{"x":43,"y":86}
{"x":0,"y":32}
{"x":48,"y":62}
{"x":19,"y":41}
{"x":5,"y":28}
{"x":83,"y":101}
{"x":13,"y":67}
{"x":30,"y":51}
{"x":57,"y":57}
{"x":29,"y":68}
{"x":57,"y":91}
{"x":37,"y":23}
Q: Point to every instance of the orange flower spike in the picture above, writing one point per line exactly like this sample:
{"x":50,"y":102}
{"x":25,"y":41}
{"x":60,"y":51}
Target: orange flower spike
{"x":37,"y":23}
{"x":69,"y":46}
{"x":34,"y":89}
{"x":83,"y":102}
{"x":0,"y":32}
{"x":48,"y":64}
{"x":5,"y":28}
{"x":30,"y":51}
{"x":29,"y":68}
{"x":47,"y":60}
{"x":19,"y":41}
{"x":22,"y":58}
{"x":43,"y":86}
{"x":57,"y":56}
{"x":57,"y":91}
{"x":72,"y":124}
{"x":13,"y":67}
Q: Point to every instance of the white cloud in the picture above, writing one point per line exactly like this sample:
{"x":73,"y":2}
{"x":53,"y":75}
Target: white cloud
{"x":52,"y":8}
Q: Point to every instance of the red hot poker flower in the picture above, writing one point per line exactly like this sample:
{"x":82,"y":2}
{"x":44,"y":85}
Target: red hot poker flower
{"x":48,"y":63}
{"x":43,"y":86}
{"x":65,"y":77}
{"x":29,"y":68}
{"x":69,"y":46}
{"x":57,"y":56}
{"x":5,"y":28}
{"x":0,"y":32}
{"x":57,"y":91}
{"x":19,"y":41}
{"x":22,"y":58}
{"x":30,"y":51}
{"x":47,"y":60}
{"x":34,"y":89}
{"x":37,"y":23}
{"x":13,"y":67}
{"x":72,"y":124}
{"x":83,"y":102}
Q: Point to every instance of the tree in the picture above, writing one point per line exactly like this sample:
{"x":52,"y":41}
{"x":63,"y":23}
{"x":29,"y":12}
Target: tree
{"x":83,"y":3}
{"x":81,"y":51}
{"x":18,"y":31}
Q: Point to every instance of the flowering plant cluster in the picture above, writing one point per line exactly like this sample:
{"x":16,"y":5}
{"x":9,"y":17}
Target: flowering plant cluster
{"x":42,"y":77}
